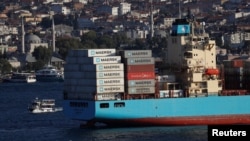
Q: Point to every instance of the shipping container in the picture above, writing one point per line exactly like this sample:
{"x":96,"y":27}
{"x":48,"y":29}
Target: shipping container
{"x":246,"y":64}
{"x":93,"y":74}
{"x":227,"y":63}
{"x":99,"y":89}
{"x":140,"y":68}
{"x":237,"y":63}
{"x":136,"y":53}
{"x":71,"y":67}
{"x":140,"y":75}
{"x":101,"y":82}
{"x":171,"y":93}
{"x":140,"y":83}
{"x":108,"y":96}
{"x":99,"y":60}
{"x":166,"y":78}
{"x":71,"y":96}
{"x":139,"y":61}
{"x":233,"y":71}
{"x":92,"y":52}
{"x":140,"y":90}
{"x":102,"y":67}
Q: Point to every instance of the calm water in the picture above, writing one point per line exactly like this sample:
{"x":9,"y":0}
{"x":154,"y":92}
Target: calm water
{"x":16,"y":124}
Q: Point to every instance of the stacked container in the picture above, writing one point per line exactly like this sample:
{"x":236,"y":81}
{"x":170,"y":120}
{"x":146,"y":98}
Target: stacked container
{"x":94,"y":74}
{"x":139,"y":69}
{"x":233,"y":74}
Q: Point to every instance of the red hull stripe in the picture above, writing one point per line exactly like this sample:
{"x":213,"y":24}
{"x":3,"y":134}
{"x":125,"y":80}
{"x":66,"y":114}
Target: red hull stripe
{"x":204,"y":120}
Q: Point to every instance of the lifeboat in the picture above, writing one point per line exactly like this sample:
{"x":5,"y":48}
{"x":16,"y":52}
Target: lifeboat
{"x":212,"y":72}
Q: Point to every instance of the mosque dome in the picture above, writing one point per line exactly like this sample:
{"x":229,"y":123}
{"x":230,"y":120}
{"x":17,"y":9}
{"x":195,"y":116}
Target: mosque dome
{"x":32,"y":38}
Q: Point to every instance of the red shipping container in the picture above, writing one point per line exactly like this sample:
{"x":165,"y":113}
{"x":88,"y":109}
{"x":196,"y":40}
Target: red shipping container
{"x":140,"y":68}
{"x":140,"y":75}
{"x":237,"y":63}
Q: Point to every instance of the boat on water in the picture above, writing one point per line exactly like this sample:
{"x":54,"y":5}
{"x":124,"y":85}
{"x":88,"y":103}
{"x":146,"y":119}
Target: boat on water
{"x":20,"y":78}
{"x":121,"y":88}
{"x":43,"y":106}
{"x":49,"y":73}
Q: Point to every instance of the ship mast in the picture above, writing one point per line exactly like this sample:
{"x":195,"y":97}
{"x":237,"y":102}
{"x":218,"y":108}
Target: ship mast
{"x":53,"y":35}
{"x":23,"y":34}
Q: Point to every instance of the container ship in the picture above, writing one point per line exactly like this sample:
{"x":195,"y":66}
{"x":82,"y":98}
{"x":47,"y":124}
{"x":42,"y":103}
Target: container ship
{"x":122,"y":88}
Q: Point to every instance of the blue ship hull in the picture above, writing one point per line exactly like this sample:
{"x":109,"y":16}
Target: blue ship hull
{"x":209,"y":110}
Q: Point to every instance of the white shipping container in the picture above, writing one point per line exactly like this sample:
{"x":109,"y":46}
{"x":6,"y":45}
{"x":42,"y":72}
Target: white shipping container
{"x":140,"y":83}
{"x":106,"y":74}
{"x":139,"y":61}
{"x":102,"y":67}
{"x":136,"y":53}
{"x":140,"y":90}
{"x":99,"y":60}
{"x":92,"y":52}
{"x":101,"y":82}
{"x":171,"y":93}
{"x":166,"y":78}
{"x":93,"y":74}
{"x":108,"y":96}
{"x":99,"y":89}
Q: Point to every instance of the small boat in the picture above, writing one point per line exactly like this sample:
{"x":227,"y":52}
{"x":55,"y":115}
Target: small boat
{"x":49,"y":74}
{"x":43,"y":106}
{"x":21,"y":78}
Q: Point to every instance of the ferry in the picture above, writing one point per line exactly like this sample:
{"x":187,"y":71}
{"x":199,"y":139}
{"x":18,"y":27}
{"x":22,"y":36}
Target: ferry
{"x":20,"y":78}
{"x":43,"y":106}
{"x":49,"y":74}
{"x":190,"y":91}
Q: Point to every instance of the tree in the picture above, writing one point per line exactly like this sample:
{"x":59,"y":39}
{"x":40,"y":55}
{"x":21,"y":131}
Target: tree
{"x":120,"y":38}
{"x":105,"y":42}
{"x":65,"y":44}
{"x":90,"y":36}
{"x":5,"y":66}
{"x":38,"y":65}
{"x":42,"y":53}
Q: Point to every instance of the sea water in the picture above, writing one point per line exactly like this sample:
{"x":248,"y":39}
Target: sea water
{"x":17,"y":124}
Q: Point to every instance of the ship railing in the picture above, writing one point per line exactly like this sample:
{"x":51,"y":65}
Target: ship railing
{"x":198,"y":94}
{"x":234,"y":92}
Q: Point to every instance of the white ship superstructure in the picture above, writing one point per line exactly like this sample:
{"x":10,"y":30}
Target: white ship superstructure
{"x":193,"y":57}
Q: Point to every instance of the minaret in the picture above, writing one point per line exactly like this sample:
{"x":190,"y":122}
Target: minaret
{"x":179,"y":9}
{"x":151,"y":20}
{"x":23,"y":35}
{"x":53,"y":35}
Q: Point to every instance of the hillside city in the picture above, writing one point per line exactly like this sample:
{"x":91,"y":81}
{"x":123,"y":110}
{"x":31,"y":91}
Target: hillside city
{"x":59,"y":25}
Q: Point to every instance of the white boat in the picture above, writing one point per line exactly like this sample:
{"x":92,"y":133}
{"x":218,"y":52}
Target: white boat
{"x":21,"y":78}
{"x":49,"y":74}
{"x":43,"y":106}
